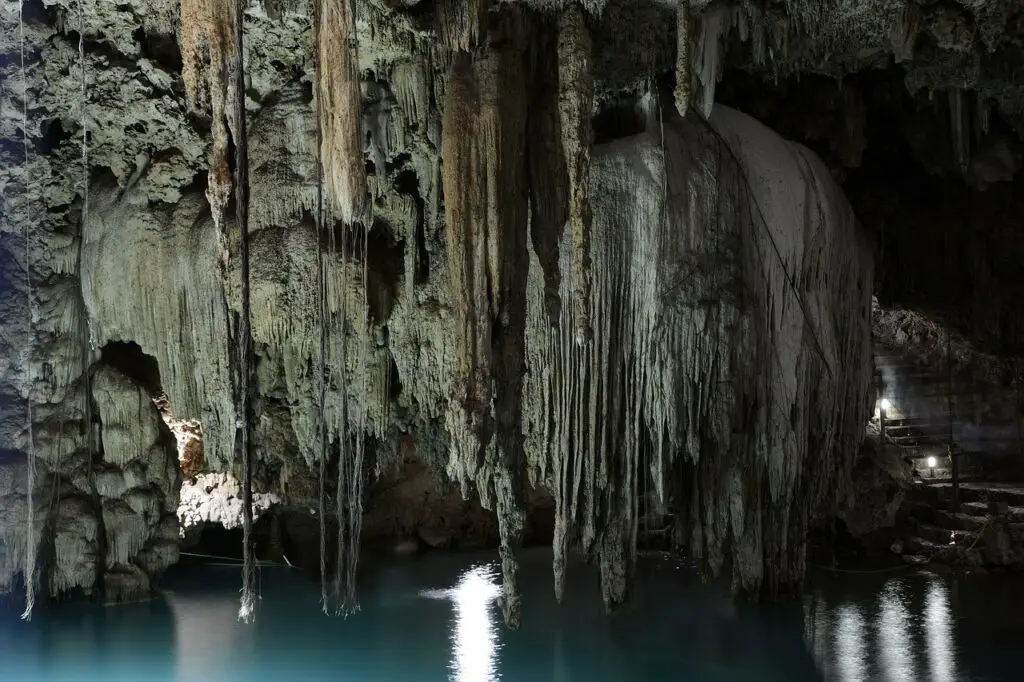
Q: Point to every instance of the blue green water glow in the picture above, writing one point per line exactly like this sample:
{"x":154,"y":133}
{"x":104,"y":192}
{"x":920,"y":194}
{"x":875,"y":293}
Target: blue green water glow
{"x":433,"y":619}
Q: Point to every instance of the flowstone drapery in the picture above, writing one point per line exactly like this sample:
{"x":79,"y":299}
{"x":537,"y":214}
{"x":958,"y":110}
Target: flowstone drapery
{"x":730,"y":366}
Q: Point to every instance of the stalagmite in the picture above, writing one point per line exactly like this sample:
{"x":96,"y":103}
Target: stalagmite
{"x":682,"y":94}
{"x":246,"y":610}
{"x":338,"y":86}
{"x":29,"y":572}
{"x":576,"y":101}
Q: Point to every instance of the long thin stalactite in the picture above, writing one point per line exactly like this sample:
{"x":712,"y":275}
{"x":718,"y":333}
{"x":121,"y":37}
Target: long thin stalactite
{"x":85,"y":329}
{"x":247,"y":608}
{"x":324,"y":379}
{"x":30,"y":548}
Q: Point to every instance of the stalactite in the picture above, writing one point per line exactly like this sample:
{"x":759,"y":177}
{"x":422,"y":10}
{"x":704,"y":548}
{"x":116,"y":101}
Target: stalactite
{"x":84,"y":330}
{"x":338,"y":81}
{"x":208,"y":30}
{"x":682,"y":57}
{"x":247,"y":607}
{"x":460,"y":23}
{"x":576,"y":102}
{"x":486,"y":216}
{"x":412,"y":90}
{"x":465,"y":207}
{"x":960,"y":128}
{"x":714,"y":27}
{"x":549,"y":184}
{"x":28,"y":379}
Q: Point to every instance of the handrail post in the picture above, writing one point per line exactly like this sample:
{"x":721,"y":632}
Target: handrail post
{"x":953,"y":468}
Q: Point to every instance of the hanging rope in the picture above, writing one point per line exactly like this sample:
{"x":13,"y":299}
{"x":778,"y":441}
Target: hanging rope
{"x":30,"y":548}
{"x":247,"y":608}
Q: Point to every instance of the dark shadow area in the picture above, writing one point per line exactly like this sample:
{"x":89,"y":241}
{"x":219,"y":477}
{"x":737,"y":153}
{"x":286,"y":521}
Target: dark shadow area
{"x":129,"y":359}
{"x":934,"y":176}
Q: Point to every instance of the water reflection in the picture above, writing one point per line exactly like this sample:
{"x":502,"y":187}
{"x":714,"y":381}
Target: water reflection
{"x":941,"y":660}
{"x":205,"y":627}
{"x":850,"y":640}
{"x":475,"y":638}
{"x":895,"y":642}
{"x":872,"y":634}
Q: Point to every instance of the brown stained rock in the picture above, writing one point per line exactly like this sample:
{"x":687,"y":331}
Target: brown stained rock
{"x":192,"y":461}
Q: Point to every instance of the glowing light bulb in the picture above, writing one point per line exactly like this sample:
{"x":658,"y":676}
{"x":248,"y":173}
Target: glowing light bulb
{"x":885,"y":404}
{"x":931,"y":462}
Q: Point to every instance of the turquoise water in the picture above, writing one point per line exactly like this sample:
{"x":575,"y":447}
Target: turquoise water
{"x":433,"y":618}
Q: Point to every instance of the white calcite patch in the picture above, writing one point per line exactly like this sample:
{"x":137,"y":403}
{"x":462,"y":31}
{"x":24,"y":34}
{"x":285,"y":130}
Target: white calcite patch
{"x":217,"y":498}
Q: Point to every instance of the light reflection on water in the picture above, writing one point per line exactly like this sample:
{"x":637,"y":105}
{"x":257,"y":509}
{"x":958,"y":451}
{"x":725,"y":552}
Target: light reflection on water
{"x":475,"y":638}
{"x":894,"y":638}
{"x":850,"y":644}
{"x":437,"y":619}
{"x":855,"y":640}
{"x":941,"y":653}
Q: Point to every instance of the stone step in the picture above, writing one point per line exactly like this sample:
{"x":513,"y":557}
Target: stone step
{"x":942,"y":552}
{"x":959,"y":520}
{"x":947,"y":536}
{"x":940,"y":495}
{"x":979,"y":510}
{"x":917,"y":545}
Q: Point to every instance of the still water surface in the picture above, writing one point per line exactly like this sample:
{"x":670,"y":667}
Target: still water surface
{"x":434,"y":619}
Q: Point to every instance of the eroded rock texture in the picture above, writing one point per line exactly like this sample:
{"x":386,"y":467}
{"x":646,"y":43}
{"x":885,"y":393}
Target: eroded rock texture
{"x":676,"y":318}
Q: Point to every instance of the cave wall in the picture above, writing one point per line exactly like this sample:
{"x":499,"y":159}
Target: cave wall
{"x":146,"y":228}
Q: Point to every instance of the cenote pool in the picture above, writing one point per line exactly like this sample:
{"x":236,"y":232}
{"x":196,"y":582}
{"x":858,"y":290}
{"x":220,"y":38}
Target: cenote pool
{"x":433,"y":618}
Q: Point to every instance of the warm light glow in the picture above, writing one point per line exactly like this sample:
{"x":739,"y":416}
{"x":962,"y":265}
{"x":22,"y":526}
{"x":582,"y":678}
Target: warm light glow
{"x":475,"y":639}
{"x":885,"y":404}
{"x":932,"y":462}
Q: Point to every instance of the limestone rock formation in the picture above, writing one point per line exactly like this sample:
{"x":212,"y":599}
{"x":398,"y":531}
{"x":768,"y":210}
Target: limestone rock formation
{"x":461,"y":238}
